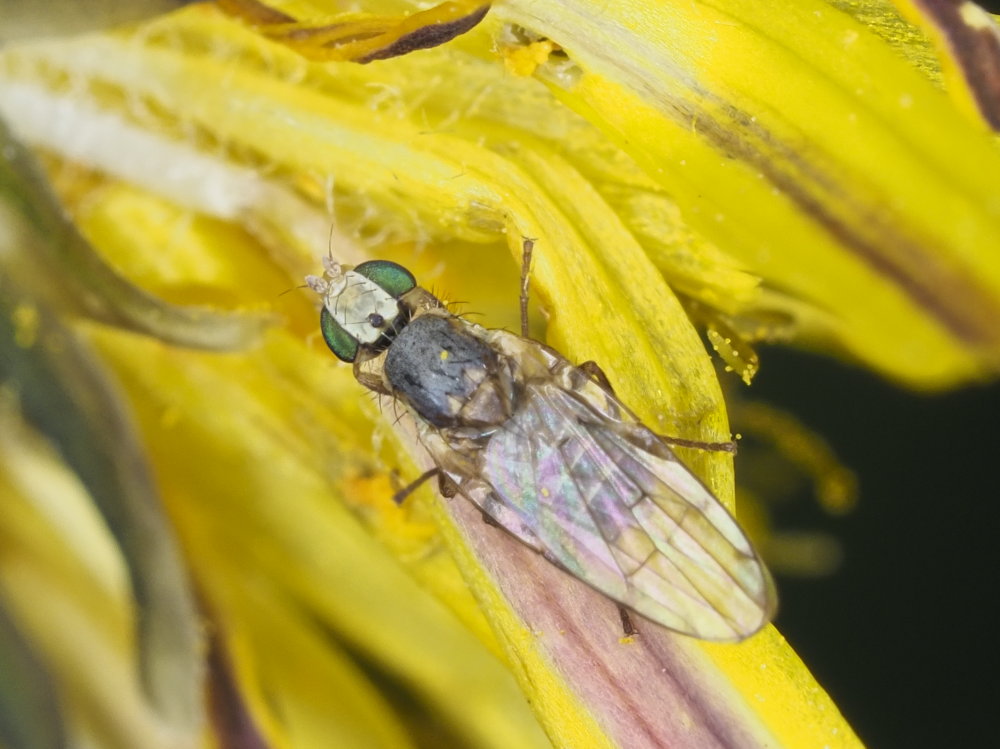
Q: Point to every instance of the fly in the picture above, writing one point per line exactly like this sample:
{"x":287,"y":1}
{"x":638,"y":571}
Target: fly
{"x":548,"y":452}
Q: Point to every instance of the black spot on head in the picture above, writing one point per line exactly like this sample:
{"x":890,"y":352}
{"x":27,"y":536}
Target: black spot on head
{"x":376,"y":320}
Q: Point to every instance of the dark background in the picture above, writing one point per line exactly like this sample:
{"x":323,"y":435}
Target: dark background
{"x":904,"y":635}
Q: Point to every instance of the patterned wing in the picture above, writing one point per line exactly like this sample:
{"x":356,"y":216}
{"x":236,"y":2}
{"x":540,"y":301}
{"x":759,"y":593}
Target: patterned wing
{"x":608,"y":501}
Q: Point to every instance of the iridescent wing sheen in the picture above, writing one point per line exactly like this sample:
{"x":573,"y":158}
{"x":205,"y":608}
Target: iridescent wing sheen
{"x":576,"y":477}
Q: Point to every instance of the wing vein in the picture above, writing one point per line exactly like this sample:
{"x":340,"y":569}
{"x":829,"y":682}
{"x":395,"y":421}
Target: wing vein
{"x":720,"y":564}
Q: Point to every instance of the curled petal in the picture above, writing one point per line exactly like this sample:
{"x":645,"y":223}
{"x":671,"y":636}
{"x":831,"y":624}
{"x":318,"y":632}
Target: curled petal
{"x":969,"y":39}
{"x":362,"y":38}
{"x":63,"y":267}
{"x":61,"y":391}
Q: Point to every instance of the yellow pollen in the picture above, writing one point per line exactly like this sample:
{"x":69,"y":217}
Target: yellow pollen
{"x":444,"y":354}
{"x":545,"y":492}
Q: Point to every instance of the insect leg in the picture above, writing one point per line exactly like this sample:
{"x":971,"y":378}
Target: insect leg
{"x":627,"y":626}
{"x":592,"y":370}
{"x":712,"y":447}
{"x":369,"y":380}
{"x":446,"y":486}
{"x":490,"y":520}
{"x":528,"y":248}
{"x":400,"y":496}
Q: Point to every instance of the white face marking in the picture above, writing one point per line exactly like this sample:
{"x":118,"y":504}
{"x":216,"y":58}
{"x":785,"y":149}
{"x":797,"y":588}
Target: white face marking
{"x":351,"y":299}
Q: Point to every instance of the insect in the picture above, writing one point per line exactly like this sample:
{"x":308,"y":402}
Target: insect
{"x":548,"y":452}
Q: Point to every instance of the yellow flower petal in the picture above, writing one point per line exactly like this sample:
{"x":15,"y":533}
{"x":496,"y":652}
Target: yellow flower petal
{"x":764,"y":124}
{"x":969,"y":39}
{"x":758,"y":127}
{"x":252,"y":494}
{"x":361,"y":37}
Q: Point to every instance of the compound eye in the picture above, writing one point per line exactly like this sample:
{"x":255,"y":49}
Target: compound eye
{"x":341,"y":343}
{"x":394,"y":278}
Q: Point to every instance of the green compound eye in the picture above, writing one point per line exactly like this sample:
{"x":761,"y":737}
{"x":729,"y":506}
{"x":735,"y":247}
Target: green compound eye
{"x":366,"y":309}
{"x":341,"y":343}
{"x":394,"y":278}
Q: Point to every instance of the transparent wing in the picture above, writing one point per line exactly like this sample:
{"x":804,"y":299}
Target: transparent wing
{"x":605,"y":498}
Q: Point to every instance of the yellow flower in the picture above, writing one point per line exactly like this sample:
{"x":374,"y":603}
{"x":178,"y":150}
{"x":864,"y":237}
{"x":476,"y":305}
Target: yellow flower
{"x":761,"y":170}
